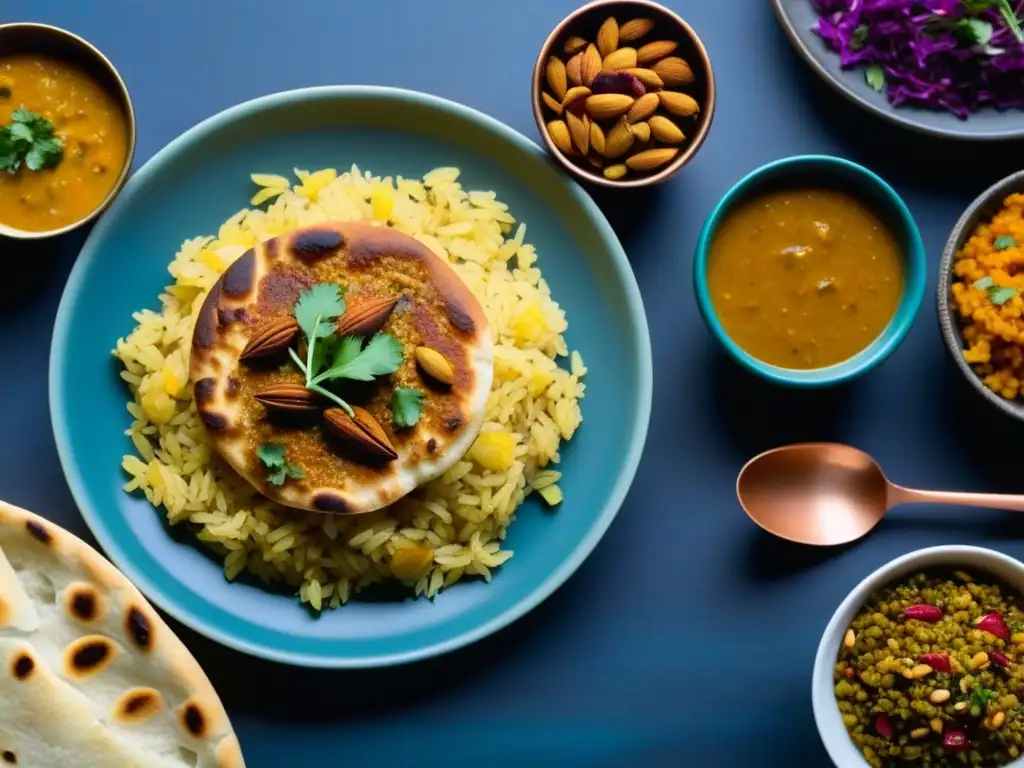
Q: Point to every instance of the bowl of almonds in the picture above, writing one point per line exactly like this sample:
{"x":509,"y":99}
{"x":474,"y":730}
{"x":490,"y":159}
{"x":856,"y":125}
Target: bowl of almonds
{"x":623,"y":93}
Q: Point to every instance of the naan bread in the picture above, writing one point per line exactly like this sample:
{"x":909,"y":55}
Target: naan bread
{"x":432,"y":307}
{"x":91,"y":676}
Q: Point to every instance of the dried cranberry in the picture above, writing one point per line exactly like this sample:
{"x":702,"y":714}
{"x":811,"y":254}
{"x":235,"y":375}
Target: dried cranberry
{"x":1000,"y":658}
{"x":923,"y":612}
{"x":883,"y":726}
{"x":937,"y":661}
{"x":955,"y":740}
{"x":618,"y":82}
{"x":993,"y":623}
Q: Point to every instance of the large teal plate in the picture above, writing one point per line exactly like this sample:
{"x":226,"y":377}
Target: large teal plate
{"x":202,"y":178}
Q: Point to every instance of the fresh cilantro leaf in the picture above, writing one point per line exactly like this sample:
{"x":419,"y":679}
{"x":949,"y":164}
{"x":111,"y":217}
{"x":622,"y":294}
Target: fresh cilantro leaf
{"x":317,"y":307}
{"x":323,"y":350}
{"x":279,"y":469}
{"x":984,"y":283}
{"x":1004,"y":241}
{"x":1012,"y":21}
{"x":29,"y":139}
{"x":1001,"y":295}
{"x":875,"y":77}
{"x":978,"y":698}
{"x":382,"y":355}
{"x":406,"y":407}
{"x":859,"y":37}
{"x":347,"y":351}
{"x":974,"y":31}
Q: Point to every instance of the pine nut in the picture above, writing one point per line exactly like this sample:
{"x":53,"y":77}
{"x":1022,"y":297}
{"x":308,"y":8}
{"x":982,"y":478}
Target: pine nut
{"x":921,"y":670}
{"x":919,"y":733}
{"x":998,"y":719}
{"x":938,"y":696}
{"x":849,"y":638}
{"x":960,"y":706}
{"x":936,"y":724}
{"x":979,"y":660}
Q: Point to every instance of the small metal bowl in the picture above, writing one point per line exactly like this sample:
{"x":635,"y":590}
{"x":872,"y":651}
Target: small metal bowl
{"x":981,"y":210}
{"x":584,"y":22}
{"x":60,"y":44}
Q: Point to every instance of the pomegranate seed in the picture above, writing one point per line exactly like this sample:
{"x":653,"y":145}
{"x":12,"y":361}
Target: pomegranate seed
{"x":955,"y":740}
{"x":1000,"y":658}
{"x":923,"y":612}
{"x":937,"y":661}
{"x":848,"y":673}
{"x":883,"y":726}
{"x":993,"y":623}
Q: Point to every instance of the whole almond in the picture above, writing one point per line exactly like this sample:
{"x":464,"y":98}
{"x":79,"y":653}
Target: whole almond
{"x":673,"y":71}
{"x":623,"y":58}
{"x":634,"y":29}
{"x":615,"y":172}
{"x":435,"y":365}
{"x":608,"y":36}
{"x":287,"y":396}
{"x":596,"y":138}
{"x":679,"y":104}
{"x":591,"y":64}
{"x":550,"y":102}
{"x":604,"y":106}
{"x":575,"y":98}
{"x":270,"y":338}
{"x":642,"y":131}
{"x":618,"y":140}
{"x":559,"y":133}
{"x":648,"y":77}
{"x":664,"y":130}
{"x":361,"y":432}
{"x":642,"y":108}
{"x":554,"y":72}
{"x":574,"y":45}
{"x":651,"y":52}
{"x":650,"y":159}
{"x":366,"y":317}
{"x":579,"y":131}
{"x":574,"y":69}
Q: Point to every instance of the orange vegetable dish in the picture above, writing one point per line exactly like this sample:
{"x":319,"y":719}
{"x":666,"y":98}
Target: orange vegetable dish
{"x":95,"y":133}
{"x":804,"y":278}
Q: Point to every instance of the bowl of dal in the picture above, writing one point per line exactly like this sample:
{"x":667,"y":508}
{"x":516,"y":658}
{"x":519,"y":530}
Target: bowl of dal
{"x":67,"y":131}
{"x":810,"y":271}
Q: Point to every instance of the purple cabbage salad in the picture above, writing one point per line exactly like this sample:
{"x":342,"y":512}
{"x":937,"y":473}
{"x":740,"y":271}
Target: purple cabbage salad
{"x":954,"y":55}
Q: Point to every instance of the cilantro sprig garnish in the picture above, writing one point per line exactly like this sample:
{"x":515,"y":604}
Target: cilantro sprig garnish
{"x":406,"y":407}
{"x":978,"y":698}
{"x":329,"y":358}
{"x":997,"y":294}
{"x":1003,"y":242}
{"x":29,"y":139}
{"x":1005,"y":8}
{"x":279,"y":469}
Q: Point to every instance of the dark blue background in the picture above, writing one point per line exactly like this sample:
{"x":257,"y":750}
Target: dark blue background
{"x":688,"y":637}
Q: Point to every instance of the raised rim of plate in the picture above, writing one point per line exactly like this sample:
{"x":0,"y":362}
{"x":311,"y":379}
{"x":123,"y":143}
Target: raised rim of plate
{"x":887,"y":112}
{"x":185,"y":615}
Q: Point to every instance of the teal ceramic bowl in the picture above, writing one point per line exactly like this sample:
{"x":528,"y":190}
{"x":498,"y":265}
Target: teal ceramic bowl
{"x":836,"y":173}
{"x":201,"y":179}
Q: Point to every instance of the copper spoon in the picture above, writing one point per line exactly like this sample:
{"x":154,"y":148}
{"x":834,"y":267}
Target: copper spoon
{"x":827,"y":494}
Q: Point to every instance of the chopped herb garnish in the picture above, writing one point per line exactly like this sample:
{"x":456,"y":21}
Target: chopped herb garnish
{"x":1004,"y":241}
{"x":329,"y":358}
{"x":29,"y":139}
{"x":978,"y":698}
{"x":997,"y":294}
{"x":279,"y":469}
{"x":406,"y":407}
{"x":874,"y":75}
{"x":974,"y":31}
{"x":859,"y":37}
{"x":984,"y":283}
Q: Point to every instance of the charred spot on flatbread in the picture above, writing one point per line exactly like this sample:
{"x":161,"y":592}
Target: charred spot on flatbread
{"x":39,"y":532}
{"x":139,"y":629}
{"x":193,"y":720}
{"x":137,"y":705}
{"x":88,"y":655}
{"x":22,"y":666}
{"x":9,"y":757}
{"x":84,"y":603}
{"x":250,"y":385}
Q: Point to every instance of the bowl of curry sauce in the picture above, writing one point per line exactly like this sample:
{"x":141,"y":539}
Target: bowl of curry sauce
{"x":810,"y":271}
{"x":67,"y":131}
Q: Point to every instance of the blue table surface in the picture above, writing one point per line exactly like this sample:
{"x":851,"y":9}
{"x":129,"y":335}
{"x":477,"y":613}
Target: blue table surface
{"x":688,"y":636}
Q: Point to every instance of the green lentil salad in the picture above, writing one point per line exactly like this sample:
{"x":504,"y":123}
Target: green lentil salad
{"x":928,"y":673}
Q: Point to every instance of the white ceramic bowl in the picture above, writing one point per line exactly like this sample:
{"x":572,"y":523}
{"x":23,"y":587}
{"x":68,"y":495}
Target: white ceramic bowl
{"x":826,"y":714}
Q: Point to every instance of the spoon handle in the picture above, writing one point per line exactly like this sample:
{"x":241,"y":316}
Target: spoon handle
{"x":900,"y":495}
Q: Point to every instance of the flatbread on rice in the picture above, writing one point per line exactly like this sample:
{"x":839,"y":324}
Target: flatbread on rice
{"x":90,"y":675}
{"x":432,"y":307}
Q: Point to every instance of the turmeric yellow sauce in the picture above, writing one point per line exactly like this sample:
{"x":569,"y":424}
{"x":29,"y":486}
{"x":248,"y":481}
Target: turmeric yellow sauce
{"x":93,"y":127}
{"x":804,"y":278}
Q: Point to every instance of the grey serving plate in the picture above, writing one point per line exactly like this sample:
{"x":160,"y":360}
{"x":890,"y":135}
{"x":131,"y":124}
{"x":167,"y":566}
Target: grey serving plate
{"x":983,"y":208}
{"x":798,"y":19}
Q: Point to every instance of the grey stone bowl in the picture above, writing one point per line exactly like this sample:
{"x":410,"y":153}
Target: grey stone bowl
{"x":982,"y":209}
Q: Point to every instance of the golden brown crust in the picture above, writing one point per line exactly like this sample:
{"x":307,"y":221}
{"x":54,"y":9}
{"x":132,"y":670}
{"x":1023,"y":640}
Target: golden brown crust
{"x":432,"y":307}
